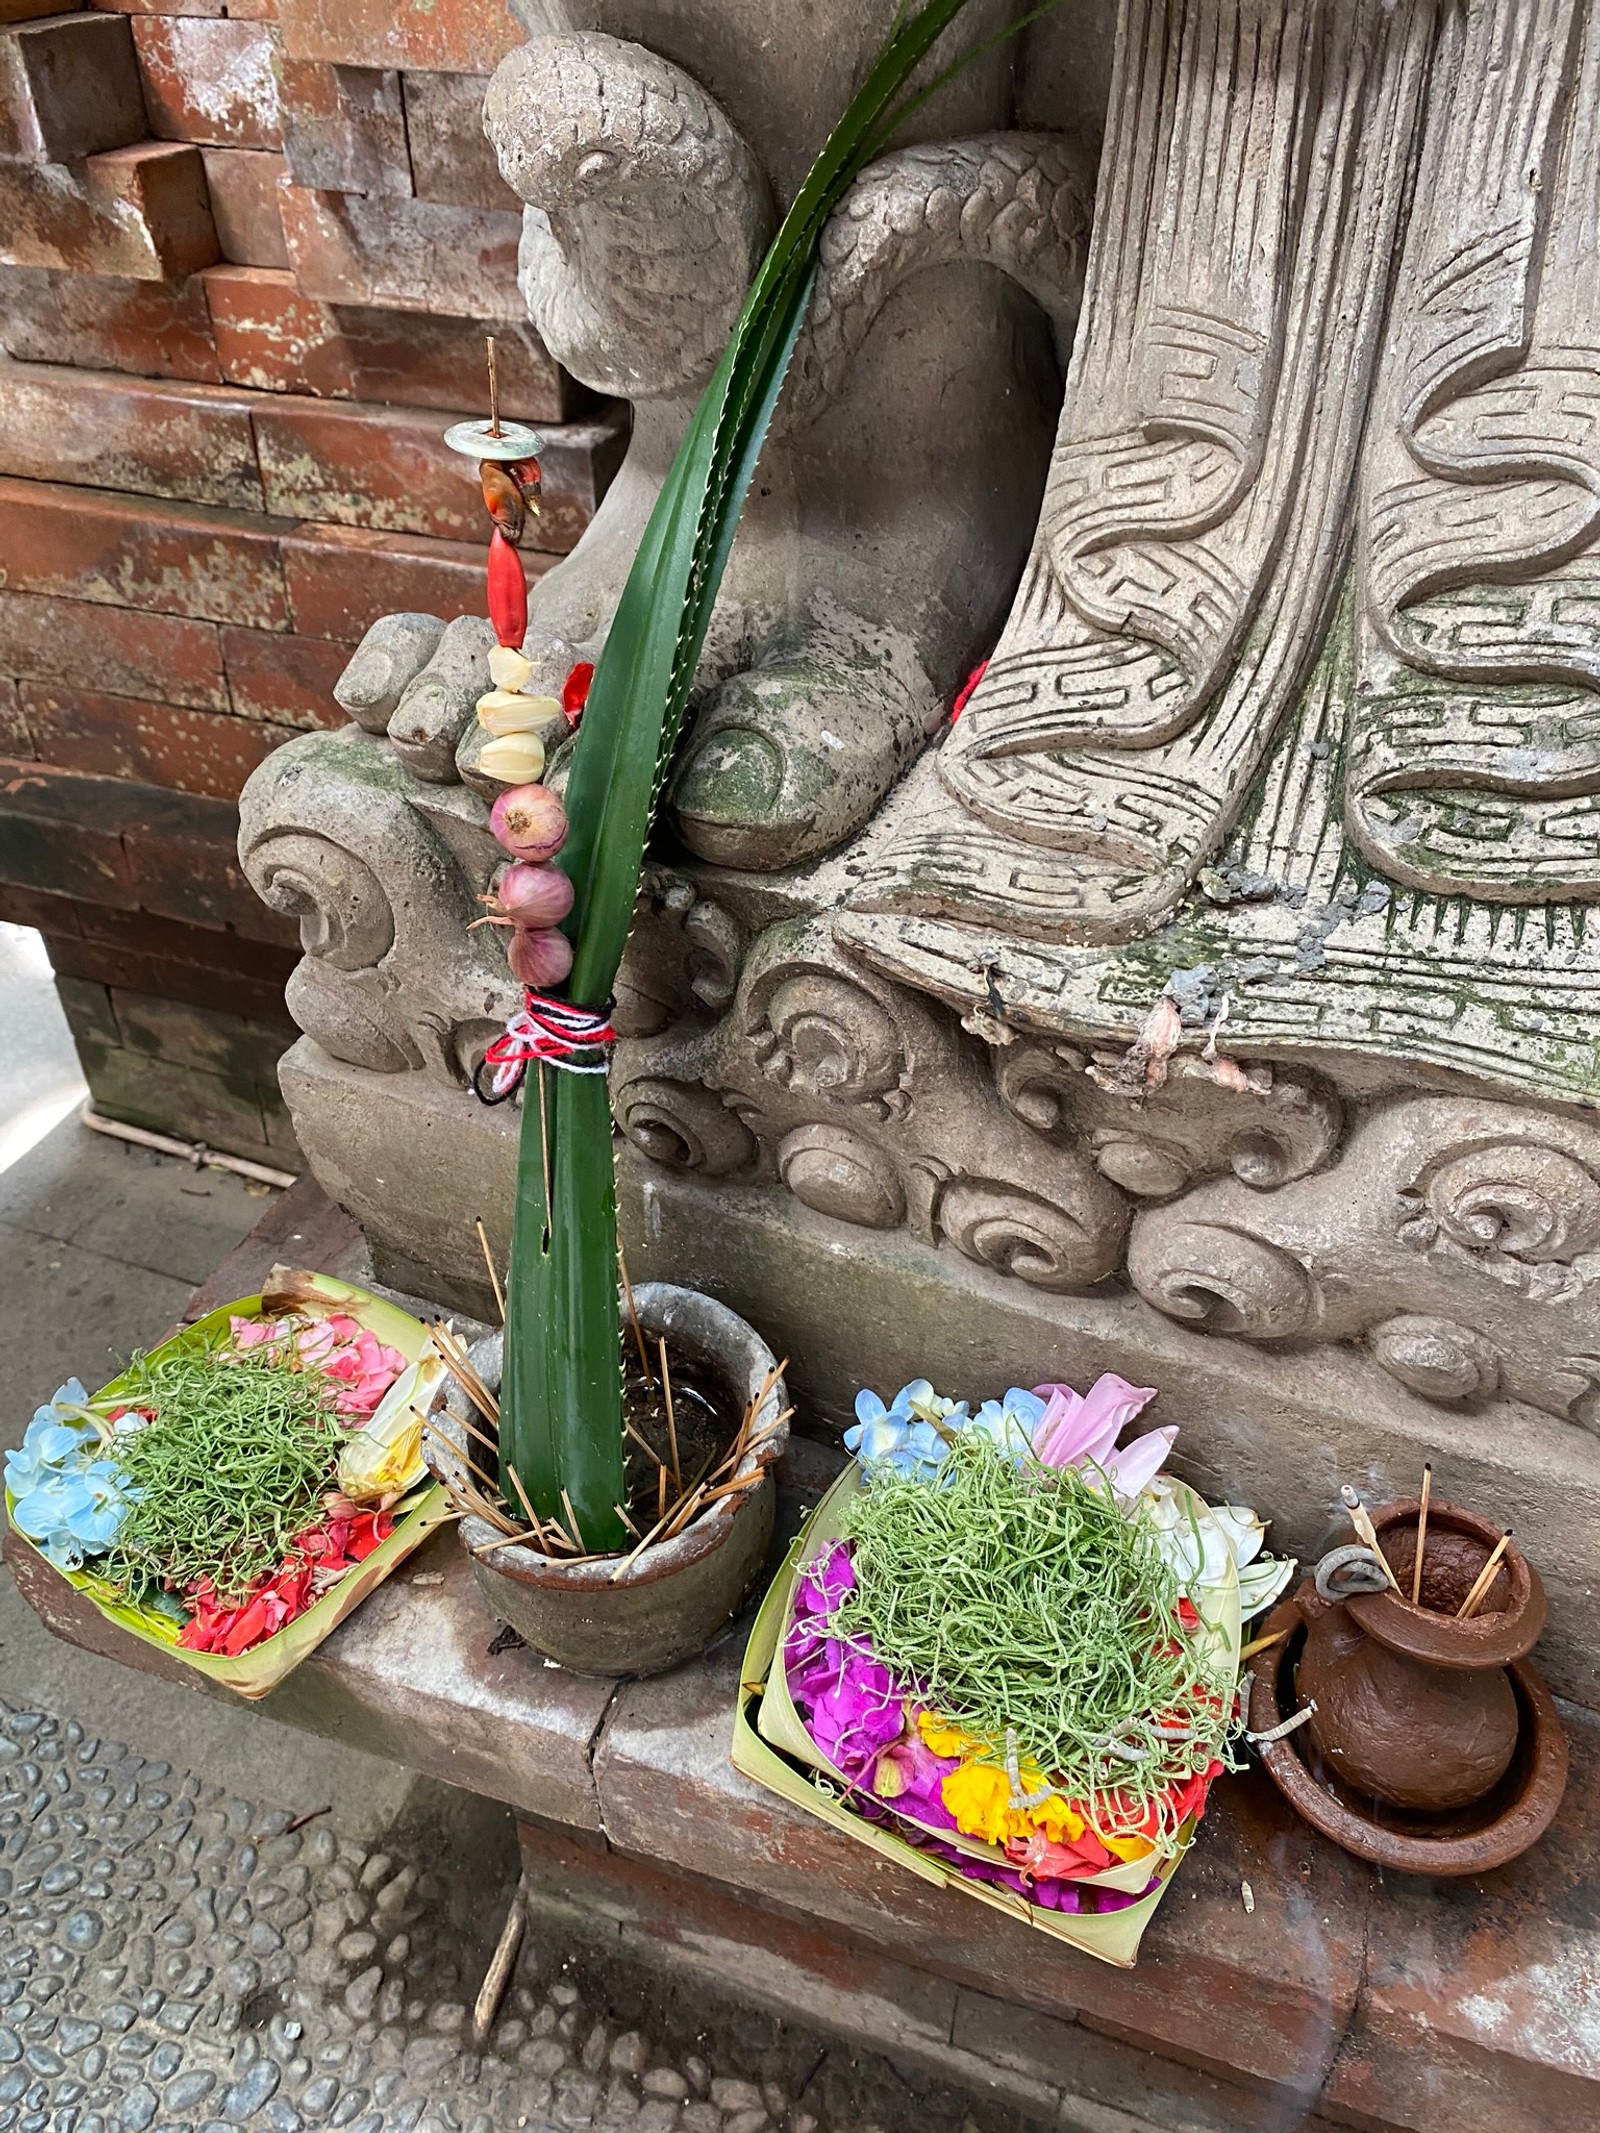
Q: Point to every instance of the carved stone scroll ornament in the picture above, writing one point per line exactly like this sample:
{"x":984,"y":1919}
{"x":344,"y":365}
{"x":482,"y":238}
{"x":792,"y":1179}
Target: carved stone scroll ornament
{"x":1256,"y":166}
{"x":1475,"y":763}
{"x":383,"y":876}
{"x":1458,"y":1239}
{"x":1269,"y":1125}
{"x":869,"y":1107}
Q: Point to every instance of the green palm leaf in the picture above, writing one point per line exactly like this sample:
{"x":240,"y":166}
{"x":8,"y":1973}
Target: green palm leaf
{"x":561,"y":1411}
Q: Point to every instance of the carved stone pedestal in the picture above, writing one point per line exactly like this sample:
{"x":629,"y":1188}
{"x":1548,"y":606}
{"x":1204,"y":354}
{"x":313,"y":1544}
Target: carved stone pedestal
{"x":1217,"y":999}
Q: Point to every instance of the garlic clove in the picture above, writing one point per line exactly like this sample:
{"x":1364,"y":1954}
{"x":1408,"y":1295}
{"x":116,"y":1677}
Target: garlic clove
{"x":514,"y":758}
{"x":508,"y":669}
{"x":504,"y":711}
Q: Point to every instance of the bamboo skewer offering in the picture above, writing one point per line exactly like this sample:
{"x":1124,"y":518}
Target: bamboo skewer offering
{"x":475,"y":1493}
{"x":1422,"y":1533}
{"x":1485,"y":1578}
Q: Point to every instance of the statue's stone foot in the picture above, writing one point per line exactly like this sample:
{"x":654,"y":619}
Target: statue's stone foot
{"x":937,"y":861}
{"x":790,"y":758}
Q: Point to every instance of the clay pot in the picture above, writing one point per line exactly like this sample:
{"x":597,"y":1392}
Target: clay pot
{"x":1490,"y":1833}
{"x":675,"y":1597}
{"x":1414,"y":1707}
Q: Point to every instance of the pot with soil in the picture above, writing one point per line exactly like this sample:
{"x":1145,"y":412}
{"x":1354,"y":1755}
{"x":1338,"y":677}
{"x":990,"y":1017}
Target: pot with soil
{"x":1430,"y":1743}
{"x":702,"y":1497}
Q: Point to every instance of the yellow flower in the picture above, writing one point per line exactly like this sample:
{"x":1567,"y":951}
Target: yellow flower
{"x":946,"y":1739}
{"x":1128,"y":1847}
{"x":1061,"y":1824}
{"x":979,"y":1796}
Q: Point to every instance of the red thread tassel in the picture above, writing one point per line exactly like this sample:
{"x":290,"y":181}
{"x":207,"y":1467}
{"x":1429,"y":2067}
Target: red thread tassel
{"x":508,"y":592}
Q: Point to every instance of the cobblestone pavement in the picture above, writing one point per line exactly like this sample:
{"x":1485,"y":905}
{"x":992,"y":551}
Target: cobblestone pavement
{"x":174,"y":1957}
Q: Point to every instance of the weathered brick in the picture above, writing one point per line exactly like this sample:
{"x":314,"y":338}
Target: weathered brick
{"x":405,"y":255}
{"x":133,"y":551}
{"x":1477,"y":2012}
{"x":245,"y":194}
{"x":390,"y":468}
{"x":271,"y":335}
{"x":262,"y":959}
{"x":75,"y":644}
{"x":32,"y":907}
{"x":88,"y":1009}
{"x":340,"y":579}
{"x":31,"y":10}
{"x":15,"y":739}
{"x":284,"y":680}
{"x":69,"y":87}
{"x":184,"y":863}
{"x":142,"y":213}
{"x":240,"y":1049}
{"x":147,"y":435}
{"x":451,"y":159}
{"x":162,"y":7}
{"x":47,"y":848}
{"x":467,"y":37}
{"x":154,"y":328}
{"x":209,"y":81}
{"x":158,"y":744}
{"x":167,"y":1096}
{"x":344,"y":128}
{"x":133,"y":846}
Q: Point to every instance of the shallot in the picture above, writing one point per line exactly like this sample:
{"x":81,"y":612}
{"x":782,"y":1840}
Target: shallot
{"x":533,"y":895}
{"x":539,"y":959}
{"x":530,"y":822}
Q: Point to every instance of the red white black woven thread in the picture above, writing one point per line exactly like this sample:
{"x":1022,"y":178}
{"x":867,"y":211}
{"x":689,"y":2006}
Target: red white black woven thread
{"x":578,"y":1040}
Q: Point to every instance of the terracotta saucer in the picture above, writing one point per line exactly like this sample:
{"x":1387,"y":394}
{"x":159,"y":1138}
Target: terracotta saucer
{"x":1494,"y":1830}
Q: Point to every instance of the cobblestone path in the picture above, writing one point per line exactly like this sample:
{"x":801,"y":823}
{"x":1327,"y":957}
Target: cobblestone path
{"x":173,"y":1957}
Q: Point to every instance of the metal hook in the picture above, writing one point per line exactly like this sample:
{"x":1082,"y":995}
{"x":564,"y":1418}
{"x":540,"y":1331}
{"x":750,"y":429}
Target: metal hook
{"x":1345,"y":1572}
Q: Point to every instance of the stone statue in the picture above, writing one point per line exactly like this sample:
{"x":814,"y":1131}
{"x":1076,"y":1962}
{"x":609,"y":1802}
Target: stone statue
{"x":1216,"y":999}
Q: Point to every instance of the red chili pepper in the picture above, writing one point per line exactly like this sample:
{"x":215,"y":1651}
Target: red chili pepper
{"x":575,"y":691}
{"x":508,"y":592}
{"x":967,"y":689}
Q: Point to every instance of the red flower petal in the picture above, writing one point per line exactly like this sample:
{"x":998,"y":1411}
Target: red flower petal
{"x":575,"y":690}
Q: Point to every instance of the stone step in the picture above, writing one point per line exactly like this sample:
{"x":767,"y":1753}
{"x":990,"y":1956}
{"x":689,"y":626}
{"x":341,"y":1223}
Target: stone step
{"x":1333,"y":1996}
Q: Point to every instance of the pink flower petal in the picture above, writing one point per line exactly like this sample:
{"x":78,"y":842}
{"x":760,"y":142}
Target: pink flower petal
{"x":1080,"y":1429}
{"x":1140,"y":1461}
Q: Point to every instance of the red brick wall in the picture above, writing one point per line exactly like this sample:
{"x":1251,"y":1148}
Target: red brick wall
{"x":248,"y":253}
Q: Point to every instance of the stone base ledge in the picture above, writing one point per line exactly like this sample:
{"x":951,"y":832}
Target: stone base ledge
{"x":1341,"y":1998}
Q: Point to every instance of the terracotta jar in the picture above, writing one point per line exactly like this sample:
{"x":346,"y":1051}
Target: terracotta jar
{"x":1413,"y":1705}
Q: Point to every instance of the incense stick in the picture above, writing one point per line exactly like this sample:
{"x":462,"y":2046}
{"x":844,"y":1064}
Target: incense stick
{"x":488,"y":1260}
{"x":633,"y":1313}
{"x":1361,"y":1519}
{"x":534,"y":1519}
{"x":672,"y":1420}
{"x":1264,"y":1644}
{"x":645,"y":1445}
{"x":573,"y":1519}
{"x":1485,"y":1578}
{"x":1422,"y":1533}
{"x":466,"y":1459}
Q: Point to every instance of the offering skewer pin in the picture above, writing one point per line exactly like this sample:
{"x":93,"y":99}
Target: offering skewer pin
{"x":1422,"y":1533}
